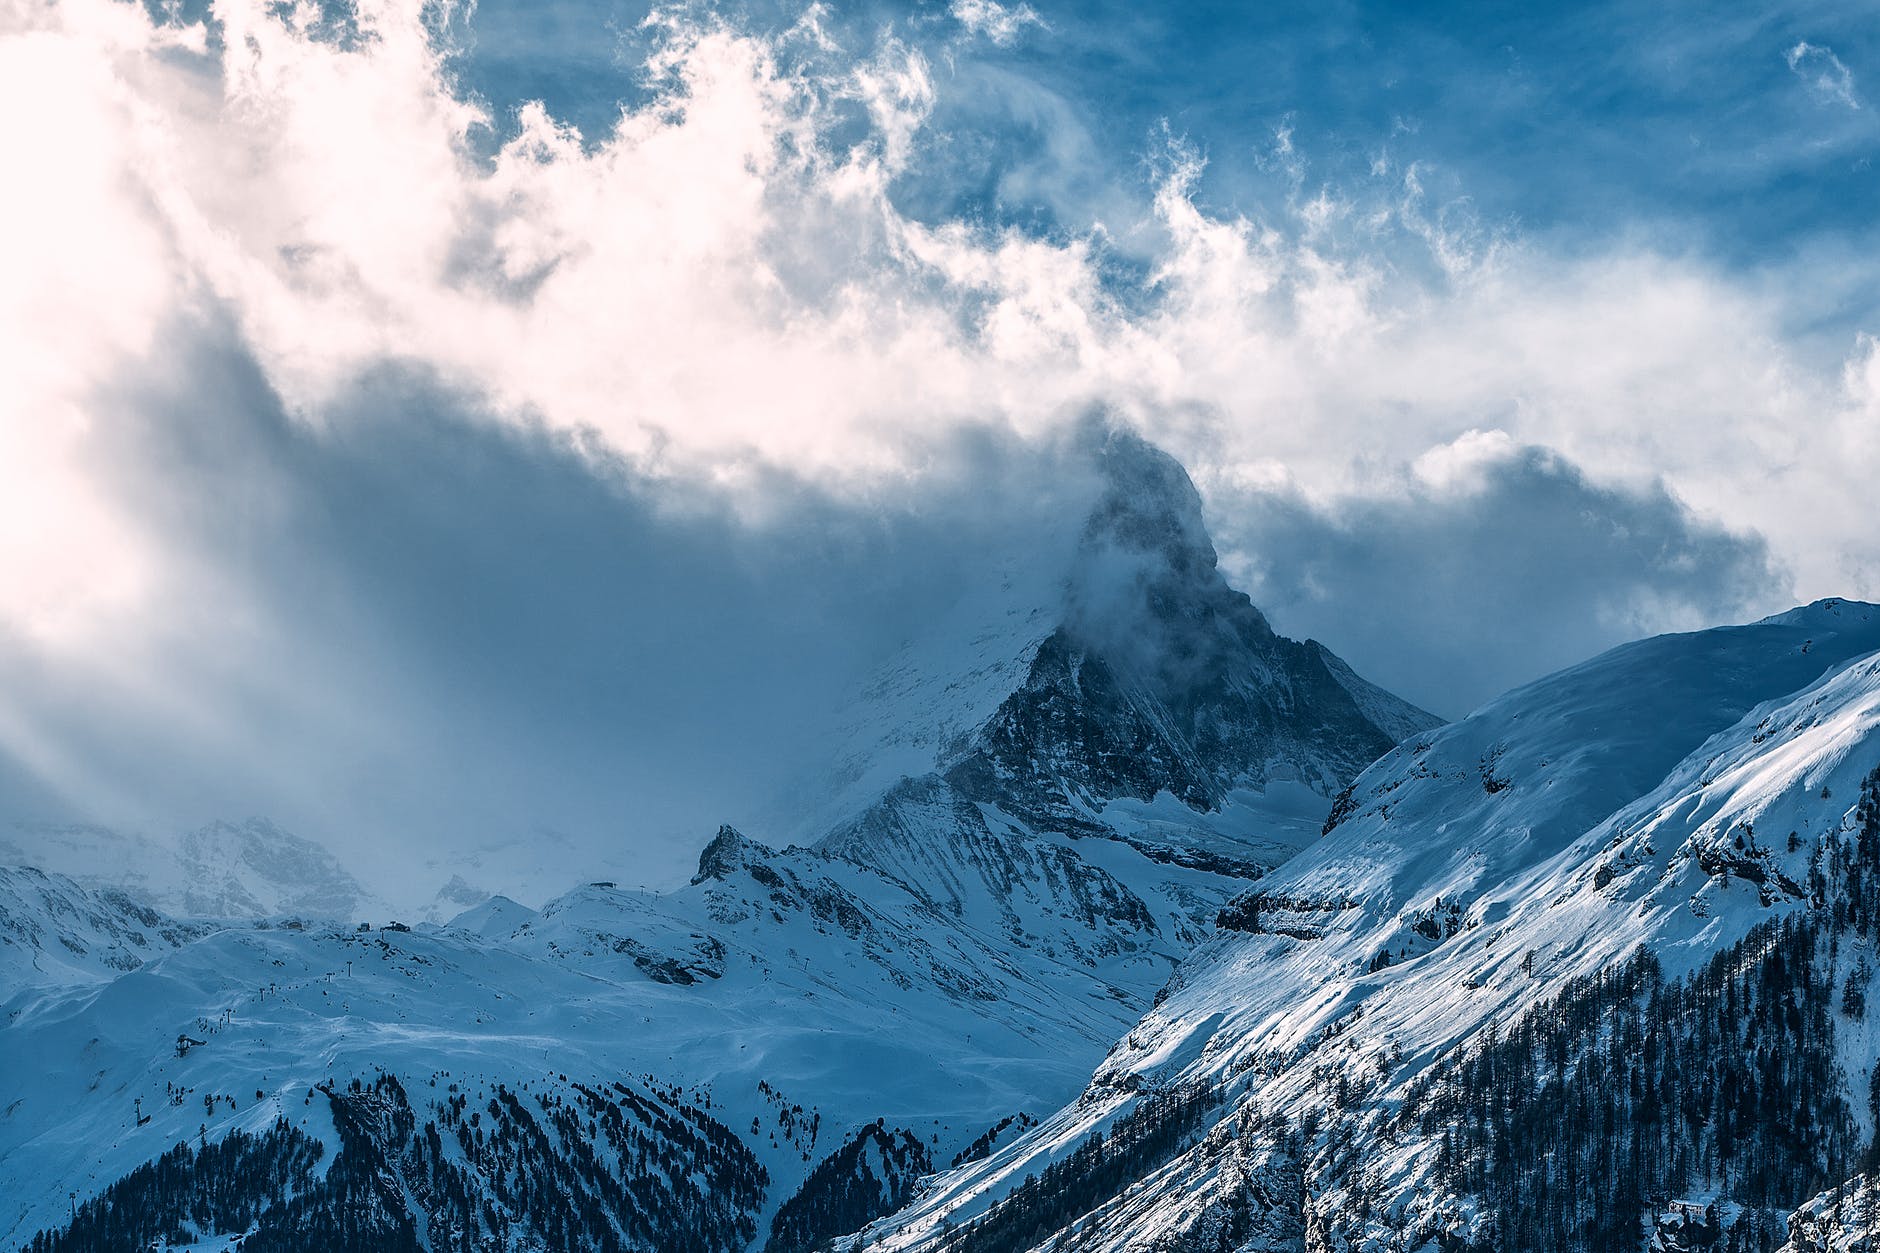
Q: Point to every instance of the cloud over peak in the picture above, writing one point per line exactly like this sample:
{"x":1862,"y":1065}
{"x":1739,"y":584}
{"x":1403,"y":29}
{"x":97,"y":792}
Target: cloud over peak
{"x":367,"y":404}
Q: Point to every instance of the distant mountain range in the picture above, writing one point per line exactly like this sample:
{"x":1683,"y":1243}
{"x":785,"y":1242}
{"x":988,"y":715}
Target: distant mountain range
{"x":250,"y":869}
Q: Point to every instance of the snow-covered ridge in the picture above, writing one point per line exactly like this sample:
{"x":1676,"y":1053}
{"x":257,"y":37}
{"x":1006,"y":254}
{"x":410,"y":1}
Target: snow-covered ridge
{"x":785,"y":988}
{"x":1665,"y":798}
{"x":56,"y":933}
{"x":249,"y":869}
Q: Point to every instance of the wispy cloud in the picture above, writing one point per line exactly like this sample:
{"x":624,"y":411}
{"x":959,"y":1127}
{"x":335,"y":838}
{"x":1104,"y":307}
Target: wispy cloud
{"x":1818,"y":67}
{"x":1001,"y":23}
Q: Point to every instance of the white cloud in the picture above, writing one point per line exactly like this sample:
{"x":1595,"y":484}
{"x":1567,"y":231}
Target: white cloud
{"x":209,"y":603}
{"x":720,"y":287}
{"x":1001,"y":23}
{"x":1817,"y":66}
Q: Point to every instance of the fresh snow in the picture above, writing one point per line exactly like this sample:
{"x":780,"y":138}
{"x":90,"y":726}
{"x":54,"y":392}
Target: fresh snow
{"x":1570,"y":821}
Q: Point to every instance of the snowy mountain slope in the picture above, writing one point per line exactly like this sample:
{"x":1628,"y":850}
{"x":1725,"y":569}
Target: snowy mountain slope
{"x":1676,"y":798}
{"x":921,"y":707}
{"x":1843,"y":1220}
{"x":250,"y":869}
{"x":245,"y":1027}
{"x":56,"y":933}
{"x":773,"y":983}
{"x":1054,"y":811}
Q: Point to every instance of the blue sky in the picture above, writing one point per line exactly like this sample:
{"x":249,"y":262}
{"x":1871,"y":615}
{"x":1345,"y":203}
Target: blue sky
{"x":402,"y":386}
{"x":1738,"y":131}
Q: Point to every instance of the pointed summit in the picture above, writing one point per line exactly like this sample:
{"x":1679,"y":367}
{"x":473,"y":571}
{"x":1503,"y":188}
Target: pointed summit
{"x":729,"y":852}
{"x":1160,"y":677}
{"x":1144,"y":699}
{"x":1146,"y":592}
{"x":1148,"y":507}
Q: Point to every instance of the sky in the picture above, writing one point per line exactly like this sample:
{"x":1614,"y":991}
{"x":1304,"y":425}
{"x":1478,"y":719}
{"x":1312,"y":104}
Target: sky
{"x":442,"y":425}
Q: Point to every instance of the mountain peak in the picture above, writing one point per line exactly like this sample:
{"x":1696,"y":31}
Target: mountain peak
{"x":257,"y":868}
{"x":1148,"y":506}
{"x":1132,"y":671}
{"x":1159,"y":663}
{"x":1146,"y":563}
{"x":729,"y":852}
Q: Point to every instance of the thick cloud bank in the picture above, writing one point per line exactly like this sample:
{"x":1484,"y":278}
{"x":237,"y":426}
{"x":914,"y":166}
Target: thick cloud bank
{"x":402,"y":463}
{"x":1501,"y":561}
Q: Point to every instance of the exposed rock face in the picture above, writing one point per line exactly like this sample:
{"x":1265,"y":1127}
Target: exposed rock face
{"x":729,"y":852}
{"x":1206,"y":674}
{"x":1162,"y":678}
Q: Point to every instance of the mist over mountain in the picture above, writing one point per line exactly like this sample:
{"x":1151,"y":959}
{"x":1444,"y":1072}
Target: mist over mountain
{"x":445,"y":476}
{"x":949,"y":626}
{"x":1058,"y":805}
{"x":1128,"y":923}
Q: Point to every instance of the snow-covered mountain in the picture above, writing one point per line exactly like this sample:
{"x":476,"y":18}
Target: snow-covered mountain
{"x":249,"y":869}
{"x":1135,"y":673}
{"x":1586,"y":970}
{"x":1065,"y":967}
{"x":1031,"y":830}
{"x":56,"y":933}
